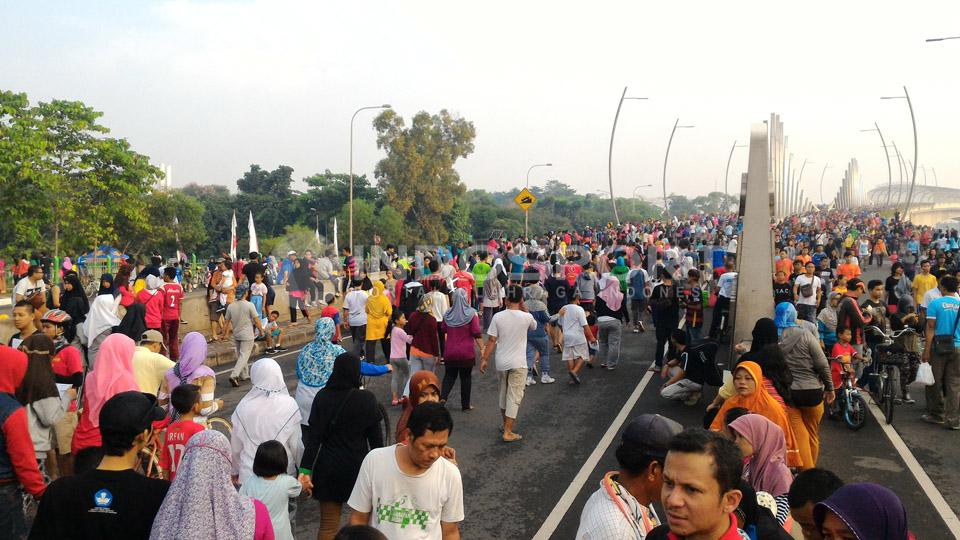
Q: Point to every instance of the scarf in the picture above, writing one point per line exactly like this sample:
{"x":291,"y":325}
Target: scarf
{"x":202,"y":502}
{"x":460,"y":312}
{"x":762,"y":403}
{"x":266,"y":413}
{"x":425,"y":305}
{"x":785,"y":316}
{"x":102,"y":317}
{"x":378,"y":305}
{"x":346,"y":373}
{"x":869,"y":510}
{"x":768,"y":469}
{"x":113,"y":374}
{"x":110,"y":289}
{"x":828,"y":315}
{"x":38,"y":382}
{"x":611,"y":294}
{"x":535,"y":298}
{"x":133,"y":324}
{"x":192,"y":363}
{"x":492,"y":287}
{"x":76,"y":291}
{"x":764,"y":333}
{"x":418,"y":383}
{"x":153,"y":284}
{"x":316,"y":361}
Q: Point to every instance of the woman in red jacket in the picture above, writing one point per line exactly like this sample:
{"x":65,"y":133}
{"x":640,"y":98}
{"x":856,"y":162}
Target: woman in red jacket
{"x":426,"y":342}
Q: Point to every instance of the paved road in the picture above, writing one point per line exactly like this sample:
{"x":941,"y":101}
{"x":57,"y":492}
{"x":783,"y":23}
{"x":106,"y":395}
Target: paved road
{"x":511,"y":489}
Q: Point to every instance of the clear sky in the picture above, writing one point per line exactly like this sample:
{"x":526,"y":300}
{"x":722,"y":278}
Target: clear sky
{"x":210,"y":87}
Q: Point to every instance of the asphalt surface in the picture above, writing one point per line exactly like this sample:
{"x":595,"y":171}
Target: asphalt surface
{"x":511,"y":488}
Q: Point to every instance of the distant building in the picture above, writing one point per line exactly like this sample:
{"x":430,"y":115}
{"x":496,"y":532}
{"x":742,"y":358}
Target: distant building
{"x":165,"y":180}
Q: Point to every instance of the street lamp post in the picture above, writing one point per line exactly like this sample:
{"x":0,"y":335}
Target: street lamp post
{"x":352,"y":118}
{"x":635,"y":194}
{"x":825,"y":167}
{"x":900,"y":168}
{"x":317,"y":212}
{"x":913,"y":121}
{"x":887,"y":154}
{"x":526,"y":213}
{"x":726,"y":173}
{"x":666,"y":204}
{"x":935,"y":181}
{"x":930,"y":40}
{"x":613,"y":132}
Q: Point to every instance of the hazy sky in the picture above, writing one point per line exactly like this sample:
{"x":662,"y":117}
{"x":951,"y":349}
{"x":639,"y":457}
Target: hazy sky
{"x":210,"y":87}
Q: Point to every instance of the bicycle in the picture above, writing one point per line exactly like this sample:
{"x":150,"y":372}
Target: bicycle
{"x":849,"y":405}
{"x":890,"y":363}
{"x":220,"y":424}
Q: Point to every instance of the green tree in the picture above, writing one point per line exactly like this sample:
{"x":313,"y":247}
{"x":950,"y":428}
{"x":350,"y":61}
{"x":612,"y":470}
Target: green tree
{"x":269,"y":196}
{"x":328,"y":192}
{"x":22,"y":148}
{"x":218,"y":205}
{"x":417,"y":177}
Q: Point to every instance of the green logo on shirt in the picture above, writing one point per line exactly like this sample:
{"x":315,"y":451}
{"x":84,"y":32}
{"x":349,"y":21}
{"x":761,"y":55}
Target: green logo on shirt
{"x":403,"y":513}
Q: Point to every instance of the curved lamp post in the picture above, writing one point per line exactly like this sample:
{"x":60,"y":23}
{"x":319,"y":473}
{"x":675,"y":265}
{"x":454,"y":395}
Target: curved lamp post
{"x":900,"y":168}
{"x":635,"y":189}
{"x":352,"y":118}
{"x":935,"y":181}
{"x":930,"y":40}
{"x":666,"y":203}
{"x":825,"y":167}
{"x":526,"y":213}
{"x":876,"y":127}
{"x":726,"y":173}
{"x":913,"y":121}
{"x":613,"y":132}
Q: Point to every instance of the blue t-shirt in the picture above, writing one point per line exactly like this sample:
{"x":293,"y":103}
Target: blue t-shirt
{"x":945,"y":310}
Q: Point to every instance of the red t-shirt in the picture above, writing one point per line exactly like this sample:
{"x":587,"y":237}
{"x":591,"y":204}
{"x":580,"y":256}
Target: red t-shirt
{"x":154,"y":306}
{"x":175,"y":442}
{"x":464,"y":280}
{"x":66,"y":363}
{"x":173,"y":296}
{"x":333,"y":313}
{"x":844,"y":349}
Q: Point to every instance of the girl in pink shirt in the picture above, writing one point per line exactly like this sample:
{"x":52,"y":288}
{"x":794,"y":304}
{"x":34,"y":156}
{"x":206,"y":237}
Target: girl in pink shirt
{"x":152,"y":298}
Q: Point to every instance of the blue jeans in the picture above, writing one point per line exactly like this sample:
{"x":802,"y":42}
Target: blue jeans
{"x":541,"y":345}
{"x":11,"y":511}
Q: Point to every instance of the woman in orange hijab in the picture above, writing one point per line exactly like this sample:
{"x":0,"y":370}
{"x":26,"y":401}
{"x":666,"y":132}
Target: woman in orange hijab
{"x":753,"y":396}
{"x":424,"y":386}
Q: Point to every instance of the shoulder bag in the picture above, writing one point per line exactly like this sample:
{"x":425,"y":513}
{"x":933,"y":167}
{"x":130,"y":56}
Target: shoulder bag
{"x":945,"y":344}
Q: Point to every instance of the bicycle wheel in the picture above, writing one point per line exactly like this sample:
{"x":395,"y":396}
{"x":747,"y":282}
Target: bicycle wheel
{"x":149,"y":465}
{"x":888,"y":395}
{"x":855,"y":414}
{"x":384,"y":423}
{"x":220,"y":424}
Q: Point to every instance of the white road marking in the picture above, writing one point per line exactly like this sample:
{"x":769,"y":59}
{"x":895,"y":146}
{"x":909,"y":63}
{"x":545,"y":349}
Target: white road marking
{"x":556,"y":515}
{"x":274,"y":357}
{"x":927,"y":485}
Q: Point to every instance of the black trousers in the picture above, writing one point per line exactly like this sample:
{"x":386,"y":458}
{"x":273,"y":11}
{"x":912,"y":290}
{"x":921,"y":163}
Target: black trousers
{"x":450,"y":375}
{"x":722,"y":306}
{"x":371,"y":349}
{"x":358,"y":335}
{"x":663,"y":331}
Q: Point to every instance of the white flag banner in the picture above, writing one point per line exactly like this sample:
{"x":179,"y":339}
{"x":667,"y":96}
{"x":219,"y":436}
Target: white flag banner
{"x":336,"y":247}
{"x":253,"y":235}
{"x":233,"y":237}
{"x":316,"y":234}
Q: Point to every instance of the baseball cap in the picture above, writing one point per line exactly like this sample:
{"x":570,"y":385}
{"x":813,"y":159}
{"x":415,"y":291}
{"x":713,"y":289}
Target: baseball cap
{"x":291,"y":252}
{"x":854,"y":283}
{"x":151,"y":336}
{"x":652,"y":432}
{"x":129,"y":413}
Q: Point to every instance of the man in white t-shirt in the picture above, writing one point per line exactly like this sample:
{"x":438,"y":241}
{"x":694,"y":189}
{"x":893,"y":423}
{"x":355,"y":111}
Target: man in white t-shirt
{"x":29,"y":285}
{"x":508,"y":335}
{"x":808,"y":289}
{"x":355,"y":316}
{"x":576,"y":337}
{"x":408,"y":491}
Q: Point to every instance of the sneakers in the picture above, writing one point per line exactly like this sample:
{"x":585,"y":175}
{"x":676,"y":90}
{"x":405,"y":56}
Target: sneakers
{"x":530,"y":380}
{"x":270,"y":351}
{"x":653,"y":367}
{"x":930,"y":419}
{"x":692,"y":400}
{"x":547,"y":379}
{"x":642,"y":329}
{"x":636,"y":329}
{"x":234,"y":382}
{"x":954,"y":427}
{"x":907,"y":399}
{"x":279,"y":348}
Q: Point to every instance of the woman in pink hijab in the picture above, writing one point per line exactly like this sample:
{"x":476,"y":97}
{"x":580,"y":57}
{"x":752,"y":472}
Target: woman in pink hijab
{"x":611,"y":310}
{"x":113,"y":374}
{"x":764,"y":450}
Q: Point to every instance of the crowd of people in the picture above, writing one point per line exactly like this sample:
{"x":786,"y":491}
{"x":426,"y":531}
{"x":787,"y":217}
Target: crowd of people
{"x":89,"y":383}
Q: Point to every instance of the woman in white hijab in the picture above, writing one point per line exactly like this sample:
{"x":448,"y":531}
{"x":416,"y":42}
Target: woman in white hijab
{"x":267,"y":412}
{"x":98,"y":325}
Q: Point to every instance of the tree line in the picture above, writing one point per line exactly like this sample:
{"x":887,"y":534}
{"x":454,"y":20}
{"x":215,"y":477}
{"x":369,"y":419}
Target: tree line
{"x":68,"y":187}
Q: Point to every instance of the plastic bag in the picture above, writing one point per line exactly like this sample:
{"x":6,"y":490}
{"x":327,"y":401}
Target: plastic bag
{"x":925,"y":374}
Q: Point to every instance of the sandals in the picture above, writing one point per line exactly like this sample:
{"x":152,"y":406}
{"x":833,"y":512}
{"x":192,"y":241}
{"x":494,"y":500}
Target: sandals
{"x":516,"y":437}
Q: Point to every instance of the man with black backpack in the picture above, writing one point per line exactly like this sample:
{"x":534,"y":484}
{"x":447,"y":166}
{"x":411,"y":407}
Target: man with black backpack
{"x":665,"y":307}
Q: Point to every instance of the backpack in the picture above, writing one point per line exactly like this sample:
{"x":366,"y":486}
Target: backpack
{"x":706,"y":350}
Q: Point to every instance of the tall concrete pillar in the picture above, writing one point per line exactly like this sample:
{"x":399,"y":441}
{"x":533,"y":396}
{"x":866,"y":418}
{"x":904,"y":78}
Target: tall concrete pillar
{"x":754,"y":292}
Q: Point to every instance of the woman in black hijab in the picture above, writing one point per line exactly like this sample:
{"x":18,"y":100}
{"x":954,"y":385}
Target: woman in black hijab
{"x":106,"y":285}
{"x":133,"y":324}
{"x":345,"y":423}
{"x":75,"y":303}
{"x":764,"y":333}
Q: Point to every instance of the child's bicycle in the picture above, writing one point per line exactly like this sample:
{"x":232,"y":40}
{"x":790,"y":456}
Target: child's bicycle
{"x":890,"y":363}
{"x":149,"y":464}
{"x":849,"y":405}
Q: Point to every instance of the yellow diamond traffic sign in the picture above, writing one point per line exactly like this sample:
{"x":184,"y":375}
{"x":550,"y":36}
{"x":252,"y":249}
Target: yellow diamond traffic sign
{"x":525,"y":199}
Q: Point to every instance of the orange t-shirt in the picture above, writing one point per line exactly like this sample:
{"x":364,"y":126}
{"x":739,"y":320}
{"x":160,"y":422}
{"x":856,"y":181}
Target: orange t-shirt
{"x":849,"y":271}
